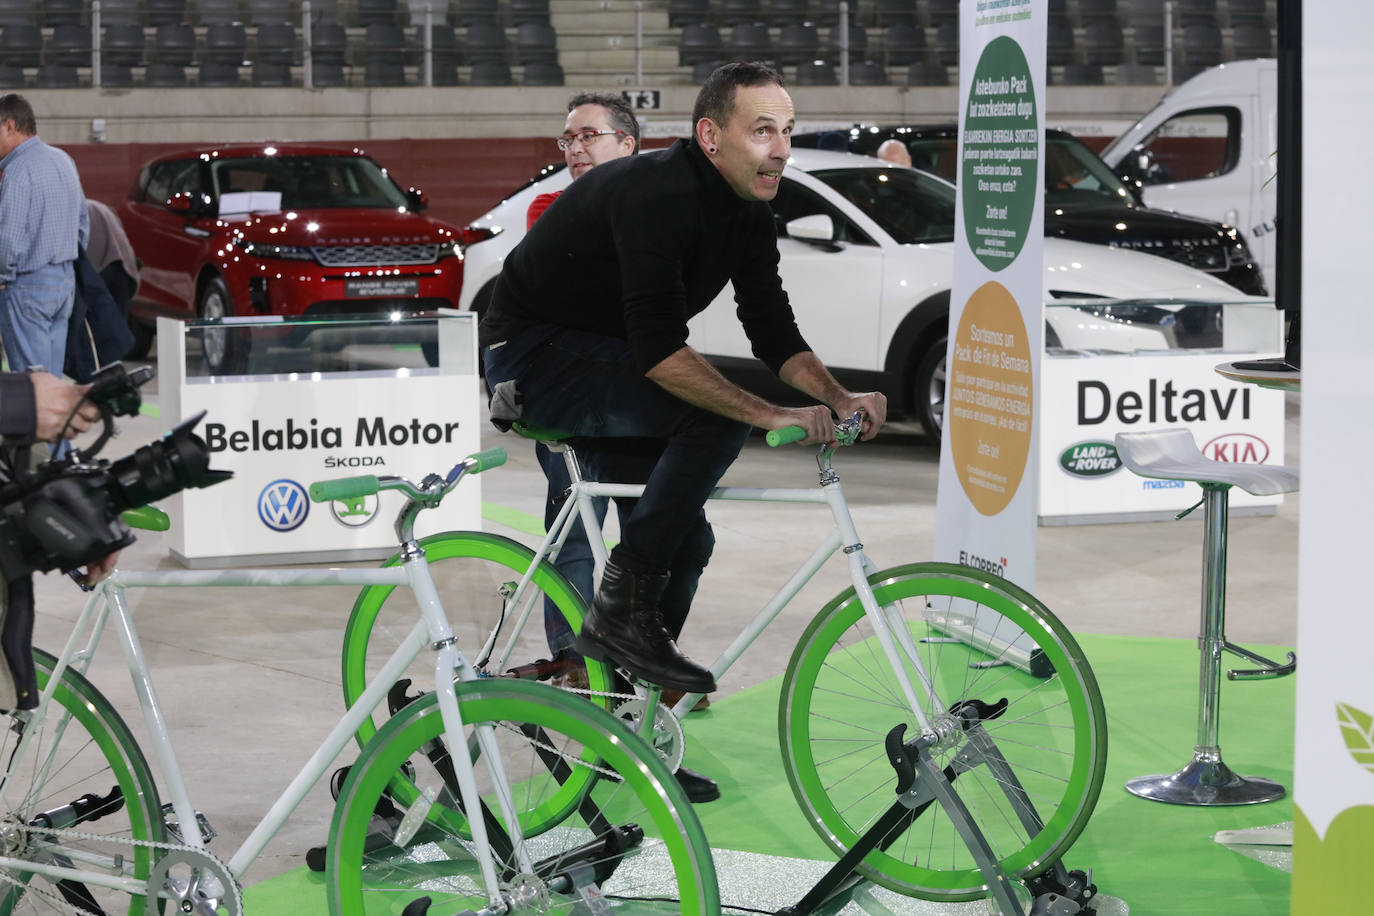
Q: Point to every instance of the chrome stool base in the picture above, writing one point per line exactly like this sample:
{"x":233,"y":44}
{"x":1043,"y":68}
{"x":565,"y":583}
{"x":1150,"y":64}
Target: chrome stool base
{"x":1206,"y":781}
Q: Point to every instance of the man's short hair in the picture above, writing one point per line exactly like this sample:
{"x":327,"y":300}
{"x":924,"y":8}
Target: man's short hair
{"x":621,"y":115}
{"x":16,"y":108}
{"x":716,"y":100}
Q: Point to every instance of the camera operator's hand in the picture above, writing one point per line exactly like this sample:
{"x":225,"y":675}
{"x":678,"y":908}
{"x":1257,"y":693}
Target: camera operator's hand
{"x":98,"y":571}
{"x":55,"y":400}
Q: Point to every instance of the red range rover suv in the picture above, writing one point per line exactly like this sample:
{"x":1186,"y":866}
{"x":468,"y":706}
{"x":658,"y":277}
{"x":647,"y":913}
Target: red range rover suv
{"x":287,"y":229}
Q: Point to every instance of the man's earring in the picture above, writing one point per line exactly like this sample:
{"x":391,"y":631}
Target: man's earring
{"x":710,"y":149}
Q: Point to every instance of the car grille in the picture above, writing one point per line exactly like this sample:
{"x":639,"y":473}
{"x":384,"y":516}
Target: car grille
{"x":373,"y":255}
{"x":1211,"y":255}
{"x":331,"y":308}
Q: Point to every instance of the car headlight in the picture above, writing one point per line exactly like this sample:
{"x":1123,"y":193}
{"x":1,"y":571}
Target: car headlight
{"x":268,"y":250}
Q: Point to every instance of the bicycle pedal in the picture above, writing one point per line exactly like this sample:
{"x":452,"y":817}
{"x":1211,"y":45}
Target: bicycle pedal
{"x":173,"y":826}
{"x":543,"y":669}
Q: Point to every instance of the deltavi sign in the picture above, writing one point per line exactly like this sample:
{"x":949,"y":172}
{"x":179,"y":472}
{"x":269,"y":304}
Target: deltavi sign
{"x":1088,"y":401}
{"x":1160,"y":401}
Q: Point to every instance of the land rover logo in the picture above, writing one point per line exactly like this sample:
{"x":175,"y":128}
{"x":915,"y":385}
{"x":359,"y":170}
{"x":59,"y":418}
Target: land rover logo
{"x":1090,"y":459}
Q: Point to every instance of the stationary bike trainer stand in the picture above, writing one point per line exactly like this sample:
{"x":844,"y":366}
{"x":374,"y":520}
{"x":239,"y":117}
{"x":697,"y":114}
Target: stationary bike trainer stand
{"x":920,"y":783}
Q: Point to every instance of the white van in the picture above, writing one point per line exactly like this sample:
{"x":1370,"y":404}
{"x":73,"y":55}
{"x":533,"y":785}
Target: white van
{"x":1208,"y":149}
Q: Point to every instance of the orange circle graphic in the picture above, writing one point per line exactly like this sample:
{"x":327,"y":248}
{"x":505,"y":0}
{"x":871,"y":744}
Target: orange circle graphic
{"x":990,"y":397}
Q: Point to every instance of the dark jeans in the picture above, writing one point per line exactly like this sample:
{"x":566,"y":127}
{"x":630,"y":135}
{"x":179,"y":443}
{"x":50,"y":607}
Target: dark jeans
{"x":587,"y":386}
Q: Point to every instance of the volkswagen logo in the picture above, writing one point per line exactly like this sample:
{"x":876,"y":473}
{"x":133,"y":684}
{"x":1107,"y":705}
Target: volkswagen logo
{"x":283,"y":505}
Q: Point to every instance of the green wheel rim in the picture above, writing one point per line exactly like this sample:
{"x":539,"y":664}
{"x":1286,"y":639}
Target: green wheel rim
{"x":77,"y":697}
{"x":490,"y":700}
{"x":494,"y":548}
{"x":1084,"y":782}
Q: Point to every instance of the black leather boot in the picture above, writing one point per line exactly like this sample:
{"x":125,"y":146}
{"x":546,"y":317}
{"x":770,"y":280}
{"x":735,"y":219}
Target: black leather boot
{"x":625,"y":627}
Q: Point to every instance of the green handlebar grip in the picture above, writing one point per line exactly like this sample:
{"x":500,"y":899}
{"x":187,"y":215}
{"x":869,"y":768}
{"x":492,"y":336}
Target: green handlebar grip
{"x":785,"y":435}
{"x":485,"y":461}
{"x":149,"y":518}
{"x":323,"y":491}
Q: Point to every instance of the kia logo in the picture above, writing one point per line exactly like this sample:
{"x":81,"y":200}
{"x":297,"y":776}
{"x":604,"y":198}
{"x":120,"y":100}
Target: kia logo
{"x":283,"y":505}
{"x":1237,"y":448}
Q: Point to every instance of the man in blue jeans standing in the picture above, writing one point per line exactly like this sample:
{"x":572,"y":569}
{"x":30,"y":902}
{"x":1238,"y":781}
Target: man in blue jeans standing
{"x":43,"y":218}
{"x":589,"y":319}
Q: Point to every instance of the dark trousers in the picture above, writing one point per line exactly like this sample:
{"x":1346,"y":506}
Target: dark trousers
{"x":587,"y":386}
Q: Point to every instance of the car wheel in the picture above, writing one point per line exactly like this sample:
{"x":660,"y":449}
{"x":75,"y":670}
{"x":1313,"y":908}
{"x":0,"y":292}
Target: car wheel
{"x":143,"y":339}
{"x":223,"y":352}
{"x":928,"y":388}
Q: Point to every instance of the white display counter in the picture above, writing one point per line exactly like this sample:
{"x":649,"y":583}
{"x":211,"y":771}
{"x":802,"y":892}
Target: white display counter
{"x":1152,"y":366}
{"x":316,"y":400}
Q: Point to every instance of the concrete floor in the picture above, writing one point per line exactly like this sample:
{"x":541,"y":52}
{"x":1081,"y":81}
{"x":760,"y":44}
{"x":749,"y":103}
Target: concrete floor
{"x":249,"y":678}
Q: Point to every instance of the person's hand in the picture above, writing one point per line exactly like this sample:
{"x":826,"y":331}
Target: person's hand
{"x":98,"y":571}
{"x":874,"y":406}
{"x":816,"y":420}
{"x":55,"y":399}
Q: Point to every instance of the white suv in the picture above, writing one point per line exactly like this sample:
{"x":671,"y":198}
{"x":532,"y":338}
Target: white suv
{"x":866,"y":258}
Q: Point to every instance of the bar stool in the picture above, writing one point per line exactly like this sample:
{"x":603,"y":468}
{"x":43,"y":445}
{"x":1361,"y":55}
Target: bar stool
{"x":1172,"y":454}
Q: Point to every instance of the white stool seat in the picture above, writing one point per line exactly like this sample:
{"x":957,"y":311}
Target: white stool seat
{"x":1172,"y":454}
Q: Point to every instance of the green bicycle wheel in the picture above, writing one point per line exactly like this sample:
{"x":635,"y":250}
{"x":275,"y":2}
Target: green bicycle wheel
{"x":81,"y":771}
{"x":474,"y":573}
{"x":399,"y":831}
{"x":840,"y":699}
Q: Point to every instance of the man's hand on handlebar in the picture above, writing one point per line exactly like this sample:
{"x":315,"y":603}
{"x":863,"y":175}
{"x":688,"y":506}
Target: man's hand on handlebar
{"x":874,"y":406}
{"x":97,"y":571}
{"x":816,"y":420}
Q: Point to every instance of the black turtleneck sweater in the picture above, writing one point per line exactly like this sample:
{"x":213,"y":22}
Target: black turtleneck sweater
{"x":636,"y":247}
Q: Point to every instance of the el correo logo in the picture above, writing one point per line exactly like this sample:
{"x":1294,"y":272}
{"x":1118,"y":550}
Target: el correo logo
{"x":1090,"y":459}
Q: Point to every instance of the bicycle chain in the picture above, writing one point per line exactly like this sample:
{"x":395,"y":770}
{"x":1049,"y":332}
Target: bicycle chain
{"x":234,"y":890}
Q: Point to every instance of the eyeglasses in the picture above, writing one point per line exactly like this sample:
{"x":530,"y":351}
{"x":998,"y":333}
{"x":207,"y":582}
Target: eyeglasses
{"x":585,"y":137}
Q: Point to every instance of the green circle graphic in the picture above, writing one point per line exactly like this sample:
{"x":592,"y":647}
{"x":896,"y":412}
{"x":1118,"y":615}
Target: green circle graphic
{"x":1000,"y":168}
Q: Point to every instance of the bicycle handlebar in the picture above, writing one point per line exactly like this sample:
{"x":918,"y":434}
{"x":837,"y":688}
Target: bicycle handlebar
{"x":485,"y":461}
{"x":785,"y":436}
{"x":322,"y":491}
{"x":846,"y":432}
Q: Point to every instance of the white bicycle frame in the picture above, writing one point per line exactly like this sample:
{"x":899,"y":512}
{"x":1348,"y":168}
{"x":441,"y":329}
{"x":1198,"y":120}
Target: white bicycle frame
{"x":431,"y":630}
{"x":891,"y":632}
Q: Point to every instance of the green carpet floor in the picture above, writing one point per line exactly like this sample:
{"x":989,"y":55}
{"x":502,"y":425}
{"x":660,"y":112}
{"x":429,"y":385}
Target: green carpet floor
{"x":1160,"y":859}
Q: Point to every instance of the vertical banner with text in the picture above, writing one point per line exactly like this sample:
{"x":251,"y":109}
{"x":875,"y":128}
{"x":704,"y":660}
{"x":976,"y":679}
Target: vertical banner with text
{"x":1333,"y":771}
{"x":986,"y":510}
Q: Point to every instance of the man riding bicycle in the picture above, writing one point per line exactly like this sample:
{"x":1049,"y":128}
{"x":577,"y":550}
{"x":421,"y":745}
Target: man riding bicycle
{"x":589,"y":320}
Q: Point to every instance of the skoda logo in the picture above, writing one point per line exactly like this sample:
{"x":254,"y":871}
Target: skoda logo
{"x":354,"y":512}
{"x":283,"y":505}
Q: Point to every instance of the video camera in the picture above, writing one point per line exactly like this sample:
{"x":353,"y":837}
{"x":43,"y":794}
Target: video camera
{"x":65,"y":513}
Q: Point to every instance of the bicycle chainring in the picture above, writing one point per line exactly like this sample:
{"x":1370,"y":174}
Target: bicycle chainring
{"x":196,"y":883}
{"x":667,"y":737}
